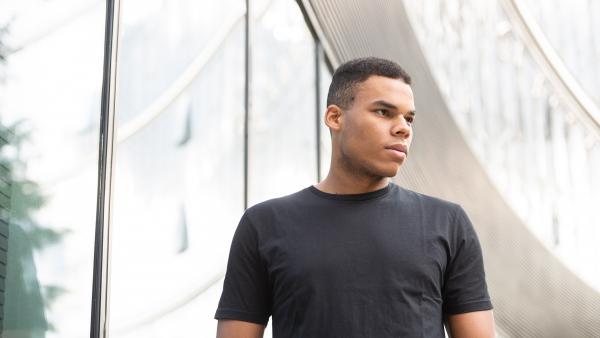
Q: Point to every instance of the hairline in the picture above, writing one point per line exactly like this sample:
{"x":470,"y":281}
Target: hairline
{"x":356,"y":86}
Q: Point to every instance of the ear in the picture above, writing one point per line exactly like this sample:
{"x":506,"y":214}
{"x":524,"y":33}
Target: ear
{"x":334,"y":117}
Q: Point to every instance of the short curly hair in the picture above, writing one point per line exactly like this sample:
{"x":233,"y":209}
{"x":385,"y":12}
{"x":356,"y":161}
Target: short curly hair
{"x":354,"y":72}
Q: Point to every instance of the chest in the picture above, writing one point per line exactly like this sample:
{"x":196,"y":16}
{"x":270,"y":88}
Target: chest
{"x":357,"y":253}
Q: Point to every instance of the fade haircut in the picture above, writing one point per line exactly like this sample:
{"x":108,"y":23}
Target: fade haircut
{"x":351,"y":74}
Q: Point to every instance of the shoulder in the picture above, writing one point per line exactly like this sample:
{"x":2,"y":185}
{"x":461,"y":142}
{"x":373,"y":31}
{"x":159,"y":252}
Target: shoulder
{"x":428,"y":202}
{"x":438,"y":215}
{"x":275,"y":207}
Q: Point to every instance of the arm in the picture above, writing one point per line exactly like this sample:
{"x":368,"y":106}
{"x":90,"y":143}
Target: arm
{"x":466,"y":303}
{"x":245,"y":305}
{"x":238,"y":329}
{"x":478,"y":324}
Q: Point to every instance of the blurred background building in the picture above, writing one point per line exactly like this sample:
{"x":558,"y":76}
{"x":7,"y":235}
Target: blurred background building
{"x":218,"y":106}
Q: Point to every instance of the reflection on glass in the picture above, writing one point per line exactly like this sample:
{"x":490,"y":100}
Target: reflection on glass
{"x":573,"y":30}
{"x":23,"y":314}
{"x":50,"y":82}
{"x":541,"y":156}
{"x":282,"y":135}
{"x":325,"y":144}
{"x":178,"y":189}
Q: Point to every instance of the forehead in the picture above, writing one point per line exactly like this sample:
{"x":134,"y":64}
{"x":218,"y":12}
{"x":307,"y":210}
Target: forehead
{"x":394,"y":91}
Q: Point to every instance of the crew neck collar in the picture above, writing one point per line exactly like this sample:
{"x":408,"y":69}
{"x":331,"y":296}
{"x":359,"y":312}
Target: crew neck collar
{"x":353,"y":197}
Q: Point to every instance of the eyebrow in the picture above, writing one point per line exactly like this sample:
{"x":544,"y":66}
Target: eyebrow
{"x":391,"y":106}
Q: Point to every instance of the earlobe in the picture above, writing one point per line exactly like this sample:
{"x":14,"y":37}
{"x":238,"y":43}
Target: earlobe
{"x":334,"y":117}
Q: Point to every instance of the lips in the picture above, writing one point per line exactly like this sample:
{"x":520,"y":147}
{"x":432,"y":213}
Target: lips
{"x":398,"y":147}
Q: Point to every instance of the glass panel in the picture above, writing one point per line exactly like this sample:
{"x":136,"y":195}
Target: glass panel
{"x":51,"y":55}
{"x":325,"y":145}
{"x":282,"y":141}
{"x":540,"y":154}
{"x":179,"y":182}
{"x":576,"y":41}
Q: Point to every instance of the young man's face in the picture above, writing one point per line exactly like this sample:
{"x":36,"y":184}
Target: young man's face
{"x":376,"y":131}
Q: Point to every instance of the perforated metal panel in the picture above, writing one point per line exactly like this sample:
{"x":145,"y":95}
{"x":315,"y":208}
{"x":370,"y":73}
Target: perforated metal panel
{"x":533,"y":293}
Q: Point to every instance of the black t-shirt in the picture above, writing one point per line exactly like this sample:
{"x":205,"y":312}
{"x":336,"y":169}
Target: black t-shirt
{"x":387,"y":263}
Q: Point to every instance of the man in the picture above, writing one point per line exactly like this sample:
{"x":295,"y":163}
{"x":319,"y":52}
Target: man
{"x":357,"y":255}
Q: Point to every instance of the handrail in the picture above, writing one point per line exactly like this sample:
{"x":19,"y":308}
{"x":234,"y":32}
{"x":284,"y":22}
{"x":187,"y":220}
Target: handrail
{"x":547,"y":58}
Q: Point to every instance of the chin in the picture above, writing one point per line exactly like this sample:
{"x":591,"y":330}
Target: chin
{"x":388,"y":171}
{"x":391,"y":174}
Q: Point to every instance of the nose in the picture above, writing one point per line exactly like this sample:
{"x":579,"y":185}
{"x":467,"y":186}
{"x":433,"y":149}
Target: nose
{"x":402,"y":128}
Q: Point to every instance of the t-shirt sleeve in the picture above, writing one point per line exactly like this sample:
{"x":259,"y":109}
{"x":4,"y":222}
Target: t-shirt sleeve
{"x":246,"y":293}
{"x":465,"y":288}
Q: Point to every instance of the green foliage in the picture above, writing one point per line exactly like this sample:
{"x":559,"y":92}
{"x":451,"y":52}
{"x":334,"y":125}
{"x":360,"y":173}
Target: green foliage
{"x":26,"y":197}
{"x":51,"y":293}
{"x":3,"y":48}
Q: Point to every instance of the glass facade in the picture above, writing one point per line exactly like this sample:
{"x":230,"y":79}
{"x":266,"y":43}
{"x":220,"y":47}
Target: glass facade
{"x":541,"y":154}
{"x":51,"y":56}
{"x":325,"y":76}
{"x":191,"y":151}
{"x":219,"y":106}
{"x":577,"y":41}
{"x":282,"y":133}
{"x":178,"y":182}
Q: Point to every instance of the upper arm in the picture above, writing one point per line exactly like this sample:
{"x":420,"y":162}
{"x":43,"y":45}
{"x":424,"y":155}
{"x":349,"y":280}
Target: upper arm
{"x":464,"y":288}
{"x":466,"y":303}
{"x":246,"y":287}
{"x":239,"y":329}
{"x":478,"y":324}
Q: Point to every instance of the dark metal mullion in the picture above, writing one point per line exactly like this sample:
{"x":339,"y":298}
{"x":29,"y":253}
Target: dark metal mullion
{"x":246,"y":101}
{"x":318,"y":104}
{"x":99,"y":311}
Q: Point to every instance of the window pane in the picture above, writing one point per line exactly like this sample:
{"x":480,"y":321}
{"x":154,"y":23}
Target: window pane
{"x":325,"y":145}
{"x":537,"y":150}
{"x":282,"y":148}
{"x":576,"y":42}
{"x":178,"y":189}
{"x":51,"y":55}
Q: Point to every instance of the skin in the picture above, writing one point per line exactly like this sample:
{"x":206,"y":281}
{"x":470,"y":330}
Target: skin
{"x":381,"y":115}
{"x":239,"y":329}
{"x":471,"y":325}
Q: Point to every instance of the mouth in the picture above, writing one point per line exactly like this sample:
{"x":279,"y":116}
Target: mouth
{"x":401,"y":148}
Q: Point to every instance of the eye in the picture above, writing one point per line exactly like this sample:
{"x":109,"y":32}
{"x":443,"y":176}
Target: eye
{"x":382,"y":112}
{"x":410,"y":119}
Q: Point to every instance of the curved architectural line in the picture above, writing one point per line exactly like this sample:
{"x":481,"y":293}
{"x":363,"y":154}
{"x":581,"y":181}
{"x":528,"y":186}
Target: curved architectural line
{"x":533,"y":293}
{"x":159,"y":105}
{"x":47,"y":31}
{"x":547,"y":57}
{"x":172,"y":307}
{"x":150,"y":114}
{"x":184,"y":80}
{"x":179,"y":85}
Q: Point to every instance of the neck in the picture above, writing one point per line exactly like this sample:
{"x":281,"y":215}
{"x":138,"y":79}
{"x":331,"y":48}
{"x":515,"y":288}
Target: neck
{"x":342,"y":181}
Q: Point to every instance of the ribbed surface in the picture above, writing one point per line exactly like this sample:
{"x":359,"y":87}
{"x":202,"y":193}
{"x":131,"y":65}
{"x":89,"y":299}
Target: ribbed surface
{"x":533,"y":293}
{"x":5,"y":185}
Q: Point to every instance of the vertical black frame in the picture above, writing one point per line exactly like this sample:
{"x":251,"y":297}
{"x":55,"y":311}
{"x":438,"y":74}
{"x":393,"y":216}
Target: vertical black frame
{"x":100,"y":283}
{"x":247,"y":101}
{"x":318,"y":103}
